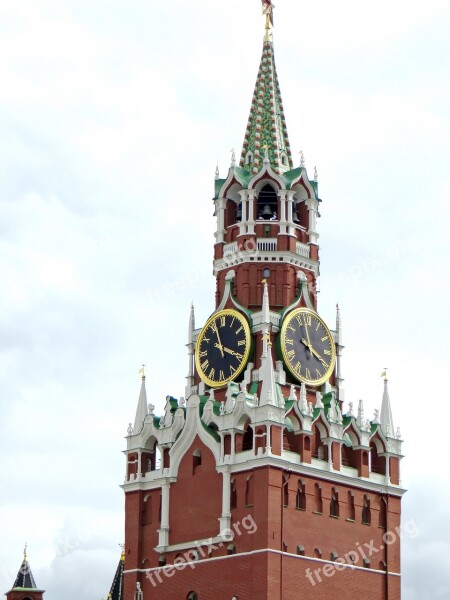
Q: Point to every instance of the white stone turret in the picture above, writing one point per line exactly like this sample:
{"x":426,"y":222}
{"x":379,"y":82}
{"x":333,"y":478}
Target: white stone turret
{"x":191,"y":349}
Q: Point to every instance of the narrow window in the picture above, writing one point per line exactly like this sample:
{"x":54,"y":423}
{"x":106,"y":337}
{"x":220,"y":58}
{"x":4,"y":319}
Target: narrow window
{"x":196,"y":460}
{"x":233,"y":494}
{"x":366,"y":515}
{"x":366,"y":563}
{"x":300,"y":550}
{"x":249,"y":491}
{"x":350,"y":506}
{"x":300,"y":503}
{"x":317,"y":553}
{"x":382,"y":565}
{"x":334,"y":504}
{"x":333,"y":556}
{"x":382,"y":520}
{"x":318,"y":505}
{"x":285,"y":490}
{"x":162,"y":561}
{"x":192,"y":596}
{"x":231,"y":549}
{"x":267,"y":207}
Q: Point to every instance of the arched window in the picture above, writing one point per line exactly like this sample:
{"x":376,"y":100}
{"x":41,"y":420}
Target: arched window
{"x":382,"y":565}
{"x":334,"y":556}
{"x":192,"y":596}
{"x":233,"y":494}
{"x":300,"y":502}
{"x":266,"y":273}
{"x":317,"y":553}
{"x":267,"y":207}
{"x":146,"y":513}
{"x":350,"y":506}
{"x":231,"y":549}
{"x":162,"y":561}
{"x":334,"y":503}
{"x":249,"y":158}
{"x":318,"y":505}
{"x":196,"y":460}
{"x":366,"y":563}
{"x":300,"y":550}
{"x":247,"y":443}
{"x":366,"y":515}
{"x":382,"y":519}
{"x":249,"y":491}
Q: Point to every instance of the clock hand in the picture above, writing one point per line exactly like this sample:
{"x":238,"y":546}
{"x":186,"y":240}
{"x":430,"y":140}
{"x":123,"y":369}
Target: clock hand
{"x":308,"y":345}
{"x":307,"y":333}
{"x":325,"y":364}
{"x":219,"y":345}
{"x":232,"y":352}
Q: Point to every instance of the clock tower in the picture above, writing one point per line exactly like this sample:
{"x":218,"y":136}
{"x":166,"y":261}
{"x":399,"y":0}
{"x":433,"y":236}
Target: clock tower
{"x":259,"y":483}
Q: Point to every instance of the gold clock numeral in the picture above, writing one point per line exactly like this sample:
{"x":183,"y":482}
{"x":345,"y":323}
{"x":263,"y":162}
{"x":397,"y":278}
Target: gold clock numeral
{"x":241,"y":343}
{"x":232,"y":370}
{"x":298,"y":367}
{"x":207,"y":340}
{"x":291,"y":328}
{"x":318,"y":325}
{"x":203,"y":354}
{"x":289,"y":342}
{"x":319,"y":374}
{"x":327,"y":352}
{"x":291,"y":354}
{"x":307,"y":373}
{"x":307,"y":320}
{"x":299,"y":319}
{"x":212,"y":373}
{"x":222,"y":321}
{"x":241,"y":328}
{"x":205,"y":365}
{"x":324,"y":339}
{"x":221,"y":376}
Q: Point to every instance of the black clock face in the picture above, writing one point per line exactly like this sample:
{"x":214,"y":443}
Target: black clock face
{"x":223,"y":348}
{"x":307,"y":346}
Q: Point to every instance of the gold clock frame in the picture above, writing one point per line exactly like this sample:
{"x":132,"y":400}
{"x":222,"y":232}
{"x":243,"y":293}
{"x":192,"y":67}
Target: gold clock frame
{"x":286,"y":322}
{"x":244,"y":322}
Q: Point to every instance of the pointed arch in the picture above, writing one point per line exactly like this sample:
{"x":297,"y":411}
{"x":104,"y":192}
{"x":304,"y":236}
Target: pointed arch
{"x":300,"y":501}
{"x":334,"y":503}
{"x":318,"y":503}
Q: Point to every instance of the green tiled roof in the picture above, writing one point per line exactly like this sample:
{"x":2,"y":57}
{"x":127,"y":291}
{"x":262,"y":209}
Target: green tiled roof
{"x":266,"y":124}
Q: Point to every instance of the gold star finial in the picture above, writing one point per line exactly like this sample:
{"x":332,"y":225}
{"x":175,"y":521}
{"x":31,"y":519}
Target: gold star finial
{"x":384,"y":374}
{"x":142,"y":371}
{"x":25,"y":556}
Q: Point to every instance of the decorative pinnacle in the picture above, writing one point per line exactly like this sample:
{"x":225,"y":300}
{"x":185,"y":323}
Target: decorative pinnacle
{"x":302,"y":158}
{"x":217,"y":175}
{"x":384,"y":374}
{"x":25,"y":552}
{"x":142,"y":371}
{"x":316,"y":175}
{"x":122,"y":555}
{"x":233,"y":157}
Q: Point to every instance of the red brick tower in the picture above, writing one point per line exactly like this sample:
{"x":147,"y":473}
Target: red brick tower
{"x":258,"y":486}
{"x":25,"y":587}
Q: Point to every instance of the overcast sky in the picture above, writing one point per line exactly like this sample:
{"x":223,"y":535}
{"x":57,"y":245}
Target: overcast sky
{"x":112,"y":117}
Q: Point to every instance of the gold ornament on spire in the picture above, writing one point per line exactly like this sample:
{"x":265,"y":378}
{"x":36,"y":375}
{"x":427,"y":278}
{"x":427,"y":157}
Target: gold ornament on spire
{"x":25,"y":552}
{"x":384,"y":374}
{"x":267,"y":9}
{"x":142,"y":371}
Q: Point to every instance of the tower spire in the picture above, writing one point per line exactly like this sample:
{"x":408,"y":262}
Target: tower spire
{"x":387,"y":422}
{"x":25,"y":581}
{"x":266,"y":124}
{"x":141,"y":411}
